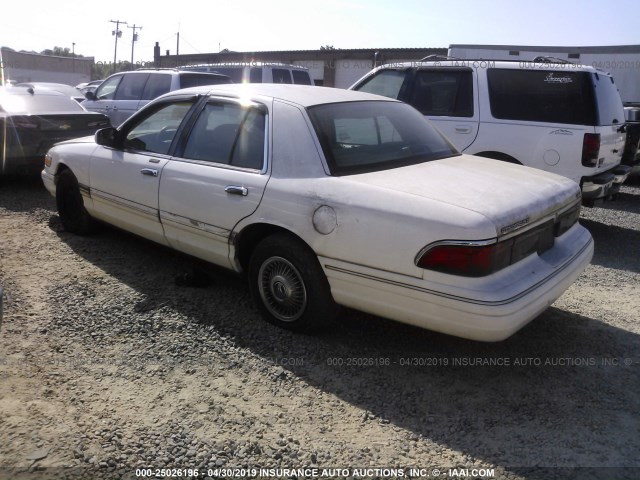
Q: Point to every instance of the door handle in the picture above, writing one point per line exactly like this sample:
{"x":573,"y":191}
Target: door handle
{"x":236,"y":190}
{"x":463,"y":129}
{"x":151,"y":172}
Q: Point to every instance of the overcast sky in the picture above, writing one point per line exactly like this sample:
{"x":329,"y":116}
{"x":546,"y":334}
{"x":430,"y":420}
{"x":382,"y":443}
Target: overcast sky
{"x":255,"y":25}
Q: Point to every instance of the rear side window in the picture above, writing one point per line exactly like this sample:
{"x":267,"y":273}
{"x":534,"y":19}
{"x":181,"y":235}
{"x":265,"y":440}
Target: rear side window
{"x":387,"y":83}
{"x":542,"y":96}
{"x":194,"y":80}
{"x":255,"y":75}
{"x":131,"y":87}
{"x":234,"y":73}
{"x":610,"y":108}
{"x":280,"y":75}
{"x":300,"y":77}
{"x":158,"y":84}
{"x":443,"y":93}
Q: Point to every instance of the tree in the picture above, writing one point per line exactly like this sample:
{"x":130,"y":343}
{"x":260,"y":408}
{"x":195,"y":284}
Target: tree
{"x":60,"y":52}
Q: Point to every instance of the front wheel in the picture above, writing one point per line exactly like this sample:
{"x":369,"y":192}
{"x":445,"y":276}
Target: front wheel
{"x":288,"y":285}
{"x":73,"y":215}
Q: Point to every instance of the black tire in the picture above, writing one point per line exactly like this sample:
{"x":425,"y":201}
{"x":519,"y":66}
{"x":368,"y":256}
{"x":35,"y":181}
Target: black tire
{"x":288,"y":285}
{"x":74,"y":216}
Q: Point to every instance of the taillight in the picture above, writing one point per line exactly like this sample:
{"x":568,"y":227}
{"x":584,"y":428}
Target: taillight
{"x":484,"y":257}
{"x":468,"y":260}
{"x":590,"y":149}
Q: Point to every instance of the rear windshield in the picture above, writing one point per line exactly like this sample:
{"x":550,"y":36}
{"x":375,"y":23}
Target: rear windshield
{"x":22,"y":102}
{"x":542,"y":96}
{"x":359,"y":137}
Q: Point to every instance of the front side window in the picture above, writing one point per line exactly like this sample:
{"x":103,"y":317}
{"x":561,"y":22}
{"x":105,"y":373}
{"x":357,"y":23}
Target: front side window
{"x":155,"y":132}
{"x":387,"y":83}
{"x":229,"y":134}
{"x":550,"y":96}
{"x":107,"y":90}
{"x":443,"y":93}
{"x":131,"y":86}
{"x":359,"y":137}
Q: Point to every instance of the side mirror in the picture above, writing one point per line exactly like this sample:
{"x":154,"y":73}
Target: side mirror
{"x":90,"y":96}
{"x":107,"y":137}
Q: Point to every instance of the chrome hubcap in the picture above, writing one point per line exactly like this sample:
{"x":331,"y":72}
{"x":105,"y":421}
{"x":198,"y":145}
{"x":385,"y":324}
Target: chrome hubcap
{"x":282,"y":289}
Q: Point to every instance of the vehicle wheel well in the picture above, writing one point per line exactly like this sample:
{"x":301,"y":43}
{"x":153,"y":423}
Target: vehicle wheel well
{"x":246,"y":240}
{"x":61,"y":168}
{"x":498,"y":156}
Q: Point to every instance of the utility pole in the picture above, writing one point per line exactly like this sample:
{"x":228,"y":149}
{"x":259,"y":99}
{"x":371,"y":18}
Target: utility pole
{"x":133,"y":41}
{"x":178,"y":44}
{"x":73,"y":56}
{"x":117,"y":33}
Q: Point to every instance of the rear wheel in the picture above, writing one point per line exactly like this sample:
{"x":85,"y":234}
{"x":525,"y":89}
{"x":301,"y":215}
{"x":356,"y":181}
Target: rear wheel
{"x":74,"y":216}
{"x":288,"y":285}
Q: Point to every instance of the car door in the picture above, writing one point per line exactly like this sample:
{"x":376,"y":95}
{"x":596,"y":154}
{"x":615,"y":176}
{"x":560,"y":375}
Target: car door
{"x":102,"y":100}
{"x":128,"y":96}
{"x":216,"y":178}
{"x":124,"y":181}
{"x":446,"y":97}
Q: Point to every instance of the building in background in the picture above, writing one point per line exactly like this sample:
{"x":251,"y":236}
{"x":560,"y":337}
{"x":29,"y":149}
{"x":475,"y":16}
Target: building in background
{"x":328,"y":67}
{"x":19,"y":67}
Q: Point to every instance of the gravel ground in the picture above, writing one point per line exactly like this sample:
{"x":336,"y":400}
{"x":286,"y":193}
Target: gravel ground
{"x":107,"y":366}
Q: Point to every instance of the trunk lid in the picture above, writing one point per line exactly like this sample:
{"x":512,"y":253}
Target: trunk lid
{"x":511,"y":196}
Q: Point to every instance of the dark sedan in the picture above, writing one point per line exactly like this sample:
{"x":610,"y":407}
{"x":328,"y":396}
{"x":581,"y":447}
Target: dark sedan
{"x":33,"y":119}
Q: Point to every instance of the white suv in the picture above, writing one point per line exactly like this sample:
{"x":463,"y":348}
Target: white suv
{"x":559,"y":117}
{"x":123,"y":94}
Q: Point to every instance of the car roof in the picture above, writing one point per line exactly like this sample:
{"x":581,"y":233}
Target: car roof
{"x":489,"y":63}
{"x":303,"y":95}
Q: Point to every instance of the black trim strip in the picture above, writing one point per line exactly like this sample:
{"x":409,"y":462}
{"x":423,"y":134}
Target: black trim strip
{"x":122,"y":202}
{"x":194,"y":224}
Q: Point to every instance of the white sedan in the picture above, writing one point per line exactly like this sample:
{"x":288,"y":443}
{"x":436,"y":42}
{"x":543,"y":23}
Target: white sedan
{"x":327,"y":197}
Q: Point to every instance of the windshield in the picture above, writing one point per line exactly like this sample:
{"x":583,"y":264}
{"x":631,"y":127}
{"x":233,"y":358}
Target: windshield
{"x":359,"y":137}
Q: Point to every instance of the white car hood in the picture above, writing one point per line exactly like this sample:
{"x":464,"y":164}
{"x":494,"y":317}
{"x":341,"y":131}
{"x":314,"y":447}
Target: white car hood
{"x":511,"y":196}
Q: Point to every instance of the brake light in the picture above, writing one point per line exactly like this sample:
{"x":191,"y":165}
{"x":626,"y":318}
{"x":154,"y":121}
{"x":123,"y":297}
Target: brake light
{"x":468,"y":260}
{"x":484,"y":257}
{"x":590,"y":149}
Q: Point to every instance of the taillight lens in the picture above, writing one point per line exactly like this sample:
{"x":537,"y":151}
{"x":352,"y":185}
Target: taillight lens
{"x":590,"y":149}
{"x":480,"y":258}
{"x":467,"y":260}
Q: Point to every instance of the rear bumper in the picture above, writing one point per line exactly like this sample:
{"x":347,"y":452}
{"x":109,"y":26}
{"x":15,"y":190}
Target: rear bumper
{"x":492,"y":311}
{"x":604,"y":185}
